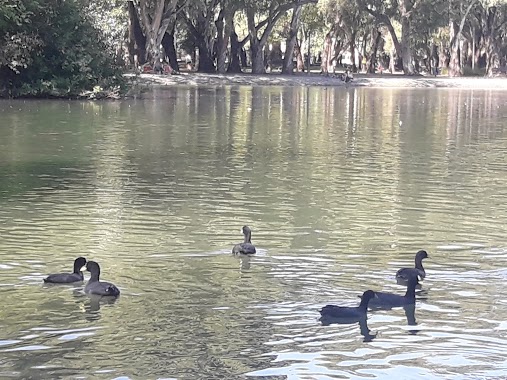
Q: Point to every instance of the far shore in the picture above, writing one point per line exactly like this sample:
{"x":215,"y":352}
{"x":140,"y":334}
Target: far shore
{"x":316,"y":79}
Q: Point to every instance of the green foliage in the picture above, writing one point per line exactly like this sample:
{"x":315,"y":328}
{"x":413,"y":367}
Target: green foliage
{"x":50,"y":49}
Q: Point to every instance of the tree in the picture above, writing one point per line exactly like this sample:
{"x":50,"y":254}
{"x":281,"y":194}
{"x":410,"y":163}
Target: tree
{"x":383,"y":11}
{"x":199,"y":18}
{"x":273,"y":10}
{"x":291,"y":41}
{"x":224,"y":26}
{"x":456,"y":30}
{"x":312,"y":22}
{"x":493,"y":21}
{"x":137,"y":40}
{"x":155,"y":17}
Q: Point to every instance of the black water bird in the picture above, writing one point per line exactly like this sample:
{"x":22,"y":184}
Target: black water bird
{"x":403,"y":274}
{"x":384,"y":300}
{"x":68,"y":278}
{"x":342,"y":314}
{"x":245,"y":248}
{"x":94,"y":286}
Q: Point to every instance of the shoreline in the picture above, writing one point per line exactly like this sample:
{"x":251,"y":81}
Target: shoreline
{"x":315,"y":79}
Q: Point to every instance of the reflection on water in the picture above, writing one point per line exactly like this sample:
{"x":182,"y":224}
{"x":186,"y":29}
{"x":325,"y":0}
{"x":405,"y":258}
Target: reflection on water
{"x":340,"y":187}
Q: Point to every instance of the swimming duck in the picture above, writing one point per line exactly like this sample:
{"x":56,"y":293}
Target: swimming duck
{"x":348,"y":314}
{"x":94,"y":286}
{"x":403,"y":274}
{"x":68,"y":278}
{"x":246,"y":248}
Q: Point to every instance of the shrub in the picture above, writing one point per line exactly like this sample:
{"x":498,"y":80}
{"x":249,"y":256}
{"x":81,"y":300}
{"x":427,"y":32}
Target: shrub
{"x":50,"y":48}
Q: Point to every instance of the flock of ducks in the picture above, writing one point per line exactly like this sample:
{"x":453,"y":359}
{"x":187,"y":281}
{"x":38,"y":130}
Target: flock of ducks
{"x":329,"y":313}
{"x":93,"y":286}
{"x":379,"y":300}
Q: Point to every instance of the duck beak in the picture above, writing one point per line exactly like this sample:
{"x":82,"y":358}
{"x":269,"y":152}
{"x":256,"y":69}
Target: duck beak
{"x":83,"y":268}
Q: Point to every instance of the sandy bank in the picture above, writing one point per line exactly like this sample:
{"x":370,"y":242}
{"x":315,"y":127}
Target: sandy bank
{"x":314,"y":79}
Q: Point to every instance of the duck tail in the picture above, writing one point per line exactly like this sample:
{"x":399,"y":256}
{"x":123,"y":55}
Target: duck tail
{"x":113,"y":291}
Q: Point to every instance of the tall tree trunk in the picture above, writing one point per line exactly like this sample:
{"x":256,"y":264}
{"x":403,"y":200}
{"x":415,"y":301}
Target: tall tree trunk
{"x":257,"y":52}
{"x":327,"y":55}
{"x":364,"y":53}
{"x":476,"y":51}
{"x":455,"y":67}
{"x":170,"y":49}
{"x":434,"y":62}
{"x":224,"y":28}
{"x":406,"y":49}
{"x":490,"y":45}
{"x":235,"y":60}
{"x":156,"y":24}
{"x":291,"y":41}
{"x":454,"y":59}
{"x":299,"y":57}
{"x":257,"y":44}
{"x":372,"y":60}
{"x":137,"y":40}
{"x":352,"y":47}
{"x":205,"y":63}
{"x":198,"y":24}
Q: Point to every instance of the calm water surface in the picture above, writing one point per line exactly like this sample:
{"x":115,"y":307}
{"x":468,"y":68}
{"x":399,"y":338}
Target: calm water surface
{"x":340,"y":186}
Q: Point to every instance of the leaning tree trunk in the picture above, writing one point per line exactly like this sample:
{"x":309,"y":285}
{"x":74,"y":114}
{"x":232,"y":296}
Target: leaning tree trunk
{"x":170,"y":49}
{"x":291,"y":41}
{"x":455,"y":67}
{"x":382,"y":18}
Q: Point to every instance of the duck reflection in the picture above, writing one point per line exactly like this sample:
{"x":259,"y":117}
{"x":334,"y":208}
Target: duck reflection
{"x":244,"y":262}
{"x":362,"y":321}
{"x":91,"y":304}
{"x":410,"y":314}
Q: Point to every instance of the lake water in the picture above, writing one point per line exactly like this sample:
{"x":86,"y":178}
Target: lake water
{"x":340,"y":186}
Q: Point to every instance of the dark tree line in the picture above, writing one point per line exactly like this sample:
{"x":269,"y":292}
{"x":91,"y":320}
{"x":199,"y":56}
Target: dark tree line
{"x":64,"y":47}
